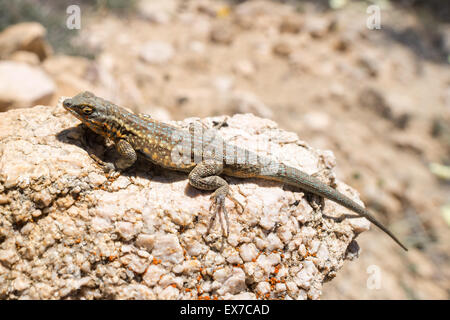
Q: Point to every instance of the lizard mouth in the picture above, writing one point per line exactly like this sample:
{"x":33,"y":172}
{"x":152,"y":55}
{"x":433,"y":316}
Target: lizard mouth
{"x":69,"y":106}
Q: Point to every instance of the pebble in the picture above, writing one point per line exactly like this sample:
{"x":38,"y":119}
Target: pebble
{"x":157,"y":52}
{"x":248,"y":252}
{"x":23,"y":85}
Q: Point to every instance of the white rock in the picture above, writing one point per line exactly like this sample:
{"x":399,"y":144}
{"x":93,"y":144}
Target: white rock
{"x":169,"y":293}
{"x":223,"y":84}
{"x":274,"y":242}
{"x":266,"y":262}
{"x":158,"y":11}
{"x":302,"y":295}
{"x":22,"y":85}
{"x":153,"y":274}
{"x":359,"y":224}
{"x":156,"y":52}
{"x":244,"y":67}
{"x":221,"y":275}
{"x":248,"y":252}
{"x":244,"y":296}
{"x":146,"y":241}
{"x":167,"y":248}
{"x":263,"y":287}
{"x":318,"y":121}
{"x":26,"y":36}
{"x":246,"y":102}
{"x":280,"y":287}
{"x":233,"y":256}
{"x":191,"y":266}
{"x":304,"y":276}
{"x":235,"y":283}
{"x":323,"y":253}
{"x":8,"y":256}
{"x":291,"y":287}
{"x":21,"y":283}
{"x":126,"y":230}
{"x":25,"y":57}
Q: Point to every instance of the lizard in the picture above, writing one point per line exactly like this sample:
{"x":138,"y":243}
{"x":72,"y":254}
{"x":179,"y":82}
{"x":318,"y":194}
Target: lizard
{"x":159,"y":142}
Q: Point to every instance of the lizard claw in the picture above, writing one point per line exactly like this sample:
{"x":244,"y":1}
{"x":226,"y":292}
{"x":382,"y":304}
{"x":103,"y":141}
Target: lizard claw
{"x":107,"y":167}
{"x":237,"y":203}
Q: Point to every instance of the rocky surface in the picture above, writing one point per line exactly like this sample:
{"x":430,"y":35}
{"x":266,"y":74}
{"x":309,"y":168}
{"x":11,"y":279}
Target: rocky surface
{"x":67,"y":231}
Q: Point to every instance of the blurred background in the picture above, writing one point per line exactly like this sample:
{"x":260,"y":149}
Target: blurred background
{"x":378,"y":96}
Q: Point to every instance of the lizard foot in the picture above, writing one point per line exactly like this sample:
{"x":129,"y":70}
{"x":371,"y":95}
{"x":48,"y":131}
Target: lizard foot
{"x":236,"y":202}
{"x":107,"y":167}
{"x":217,"y":206}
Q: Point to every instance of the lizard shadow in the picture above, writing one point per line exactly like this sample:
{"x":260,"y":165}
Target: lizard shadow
{"x":71,"y":135}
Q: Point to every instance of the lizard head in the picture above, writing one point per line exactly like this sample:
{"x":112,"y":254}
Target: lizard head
{"x":90,"y":109}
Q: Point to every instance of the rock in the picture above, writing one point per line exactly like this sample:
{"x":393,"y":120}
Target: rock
{"x":234,"y":284}
{"x":344,"y":40}
{"x":22,"y":85}
{"x":157,"y":11}
{"x":222,"y":33}
{"x":25,"y":56}
{"x":291,"y":24}
{"x":248,"y":252}
{"x":72,"y":74}
{"x":156,"y":52}
{"x":260,"y":14}
{"x":244,"y":67}
{"x":304,"y":276}
{"x":141,"y":236}
{"x":246,"y":102}
{"x":78,"y":67}
{"x":316,"y":26}
{"x":223,"y":84}
{"x":282,"y":48}
{"x":212,"y":9}
{"x":26,"y":36}
{"x":369,"y":64}
{"x":302,"y":62}
{"x":373,"y":99}
{"x":393,"y":108}
{"x":317,"y":121}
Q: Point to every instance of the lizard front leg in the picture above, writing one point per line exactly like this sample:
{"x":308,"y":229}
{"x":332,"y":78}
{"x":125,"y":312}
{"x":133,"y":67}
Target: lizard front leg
{"x":205,"y":176}
{"x":127,"y":157}
{"x":127,"y":154}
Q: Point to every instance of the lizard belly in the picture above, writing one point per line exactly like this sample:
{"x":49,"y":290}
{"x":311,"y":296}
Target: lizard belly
{"x":164,"y":158}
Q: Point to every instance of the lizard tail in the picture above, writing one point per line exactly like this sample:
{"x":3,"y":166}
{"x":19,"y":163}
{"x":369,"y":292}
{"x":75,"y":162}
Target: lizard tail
{"x":297,"y":178}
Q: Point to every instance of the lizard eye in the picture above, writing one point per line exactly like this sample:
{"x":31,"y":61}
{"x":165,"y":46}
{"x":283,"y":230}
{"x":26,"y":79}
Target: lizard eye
{"x":87,"y":110}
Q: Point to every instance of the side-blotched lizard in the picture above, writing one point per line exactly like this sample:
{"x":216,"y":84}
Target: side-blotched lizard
{"x":204,"y":156}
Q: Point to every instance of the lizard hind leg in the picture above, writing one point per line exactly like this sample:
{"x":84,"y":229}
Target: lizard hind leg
{"x":205,"y":176}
